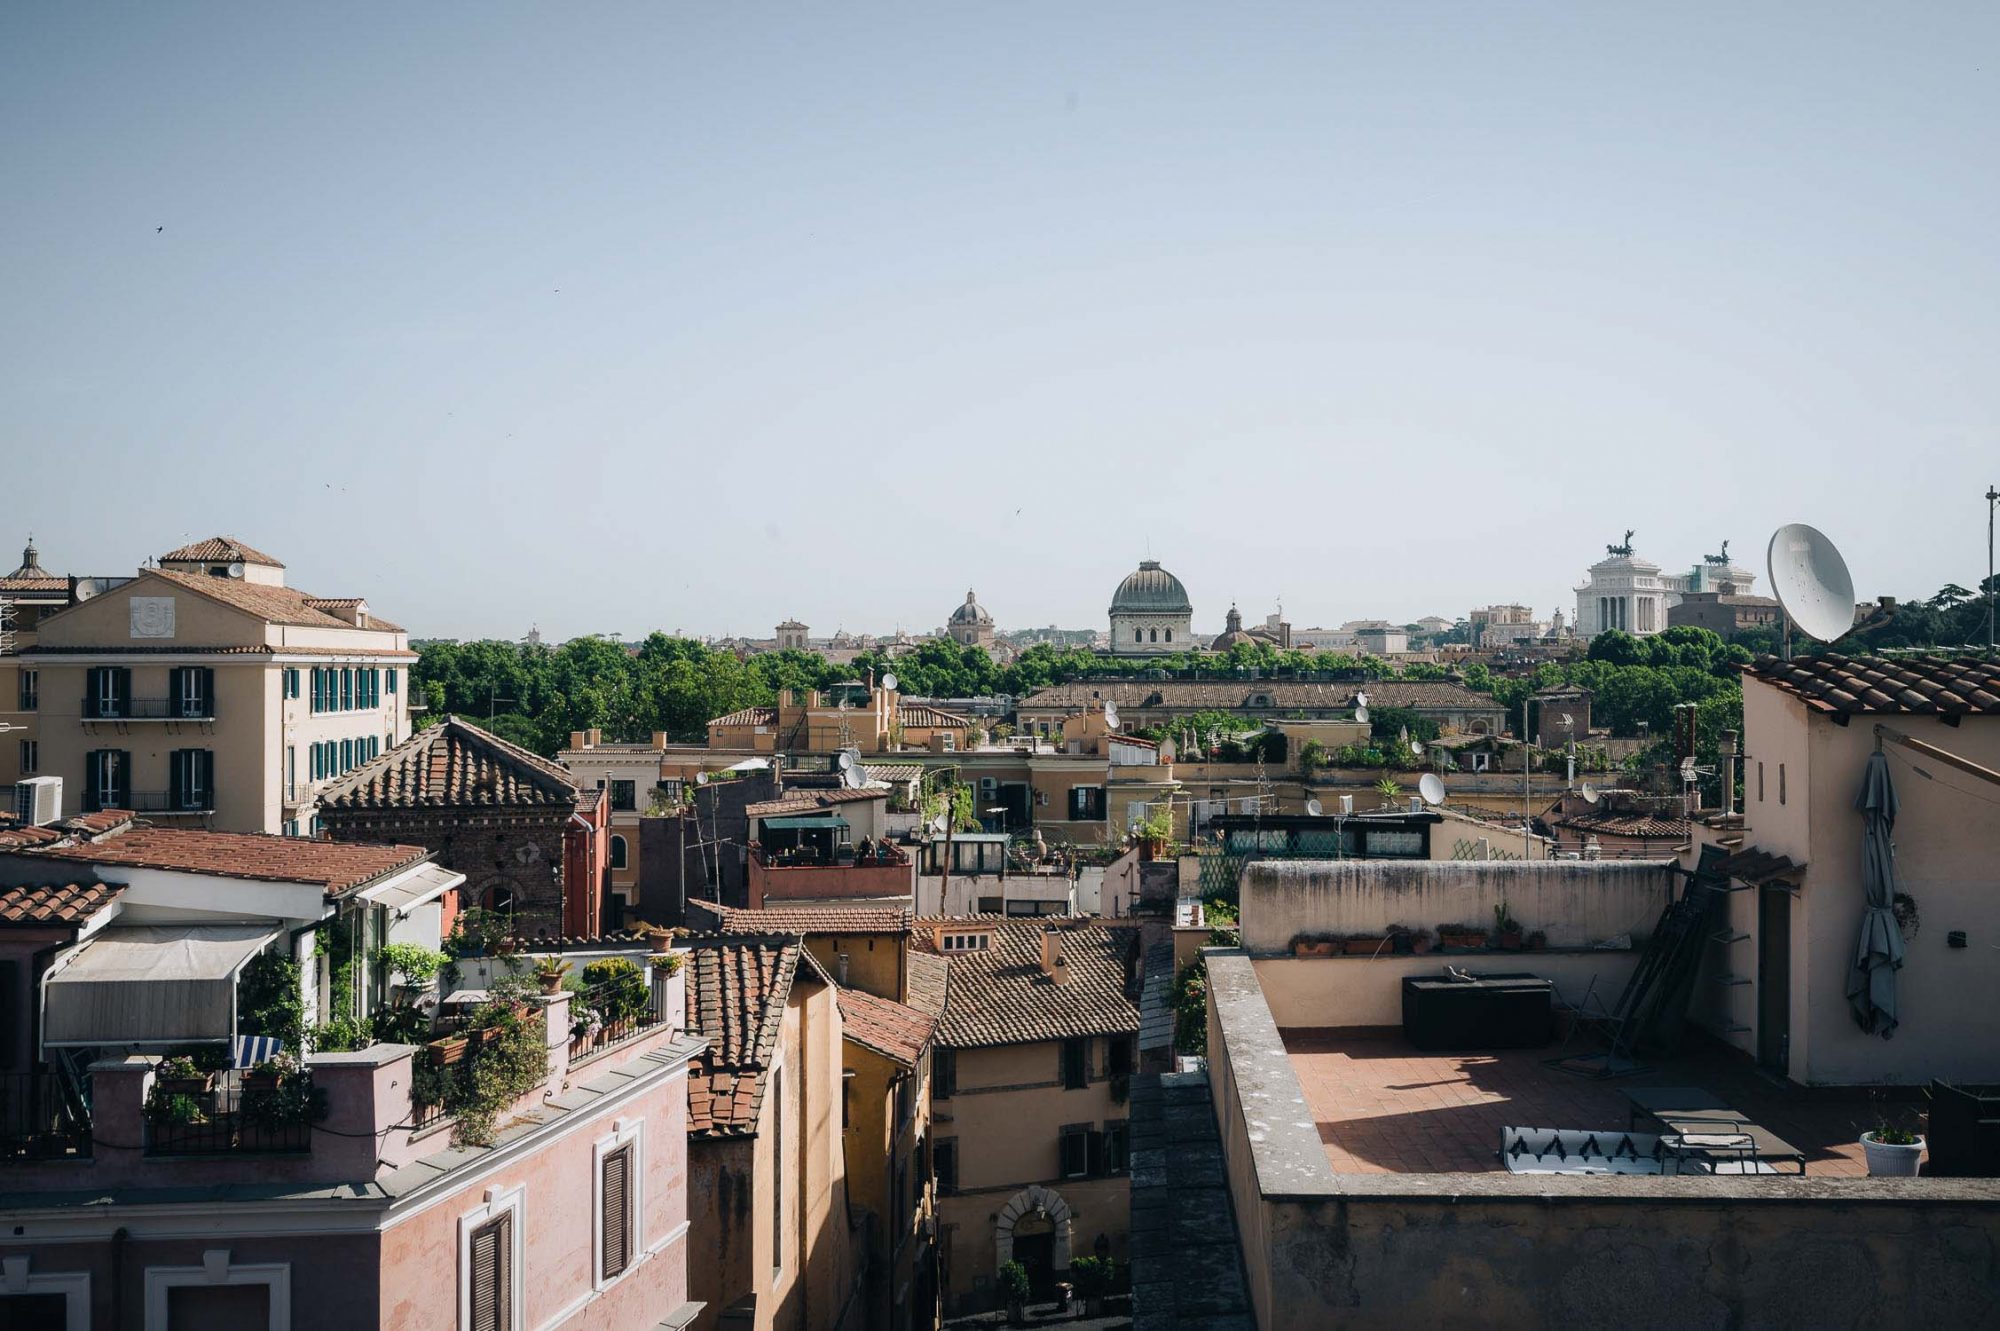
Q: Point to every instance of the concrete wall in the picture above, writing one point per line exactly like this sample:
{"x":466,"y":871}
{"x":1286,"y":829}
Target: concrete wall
{"x":1576,"y":904}
{"x":1397,"y":1250}
{"x":1368,"y":991}
{"x":772,"y":886}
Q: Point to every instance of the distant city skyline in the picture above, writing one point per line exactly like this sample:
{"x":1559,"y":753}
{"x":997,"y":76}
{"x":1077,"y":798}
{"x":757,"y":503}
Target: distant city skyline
{"x":640,"y":316}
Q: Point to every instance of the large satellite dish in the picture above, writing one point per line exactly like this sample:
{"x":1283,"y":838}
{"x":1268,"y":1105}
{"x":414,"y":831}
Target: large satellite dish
{"x":1314,"y":808}
{"x":846,"y":760}
{"x":1811,"y":581}
{"x":1111,"y":715}
{"x":889,"y":682}
{"x":1590,"y":795}
{"x":1431,"y":789}
{"x":1361,"y":715}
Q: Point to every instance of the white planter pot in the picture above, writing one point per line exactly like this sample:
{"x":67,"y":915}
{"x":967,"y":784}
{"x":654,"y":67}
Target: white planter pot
{"x":1886,"y":1161}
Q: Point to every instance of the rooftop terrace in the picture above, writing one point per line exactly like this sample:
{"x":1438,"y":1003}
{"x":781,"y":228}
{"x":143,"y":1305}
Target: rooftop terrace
{"x":1385,"y":1107}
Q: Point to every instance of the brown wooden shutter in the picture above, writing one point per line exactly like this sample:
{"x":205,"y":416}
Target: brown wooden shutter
{"x":492,"y":1275}
{"x":617,"y":1218}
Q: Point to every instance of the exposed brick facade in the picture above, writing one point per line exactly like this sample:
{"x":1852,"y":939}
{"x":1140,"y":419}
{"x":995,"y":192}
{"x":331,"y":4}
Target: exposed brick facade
{"x":516,"y":855}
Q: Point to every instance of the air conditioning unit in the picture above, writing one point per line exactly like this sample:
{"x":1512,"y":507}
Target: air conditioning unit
{"x":38,"y":800}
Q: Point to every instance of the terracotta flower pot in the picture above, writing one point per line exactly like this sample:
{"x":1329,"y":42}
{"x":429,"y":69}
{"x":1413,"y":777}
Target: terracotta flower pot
{"x":186,"y":1085}
{"x":1509,"y":941}
{"x":1468,"y":940}
{"x":450,"y":1050}
{"x":551,"y":984}
{"x":1366,"y":947}
{"x":1421,"y":945}
{"x":662,"y":942}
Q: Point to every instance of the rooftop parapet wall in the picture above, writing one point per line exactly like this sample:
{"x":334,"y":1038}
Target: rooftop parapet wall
{"x":1576,"y":903}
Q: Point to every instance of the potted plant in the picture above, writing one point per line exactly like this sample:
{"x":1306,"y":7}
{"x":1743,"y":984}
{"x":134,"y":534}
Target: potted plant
{"x":172,"y":1108}
{"x":1092,"y":1278}
{"x":1892,"y":1152}
{"x":448,"y":1050}
{"x":619,"y":989}
{"x":1537,"y":941}
{"x":1014,"y":1288}
{"x":550,"y":972}
{"x":1464,"y":937}
{"x":1420,"y":942}
{"x":412,"y":965}
{"x":180,"y":1076}
{"x":1506,"y":929}
{"x":271,"y":1073}
{"x":669,"y":963}
{"x":1365,"y":945}
{"x":1315,"y":945}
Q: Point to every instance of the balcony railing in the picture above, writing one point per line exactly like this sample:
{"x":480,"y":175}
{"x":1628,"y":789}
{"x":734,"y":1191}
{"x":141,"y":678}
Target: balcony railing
{"x":41,"y":1119}
{"x":226,"y":1118}
{"x":605,"y":1015}
{"x":885,"y":855}
{"x":97,"y":708}
{"x":166,"y":801}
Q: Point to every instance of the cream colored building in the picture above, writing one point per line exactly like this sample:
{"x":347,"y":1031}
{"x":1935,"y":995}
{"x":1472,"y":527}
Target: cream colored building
{"x":1151,"y":614}
{"x":205,"y":689}
{"x":28,"y":595}
{"x":1031,"y":1069}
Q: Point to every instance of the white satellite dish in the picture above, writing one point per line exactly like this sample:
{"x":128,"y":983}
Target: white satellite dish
{"x":236,"y":569}
{"x":1111,"y":715}
{"x":1360,"y":700}
{"x":1590,"y":795}
{"x":701,"y":778}
{"x":1417,"y":747}
{"x":1313,"y":807}
{"x":846,"y":760}
{"x":1361,"y":715}
{"x":1431,"y":789}
{"x":889,"y":682}
{"x":1811,"y":581}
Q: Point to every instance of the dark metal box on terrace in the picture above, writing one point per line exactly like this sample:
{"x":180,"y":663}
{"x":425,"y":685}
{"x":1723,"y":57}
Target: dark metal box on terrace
{"x":1510,"y":1011}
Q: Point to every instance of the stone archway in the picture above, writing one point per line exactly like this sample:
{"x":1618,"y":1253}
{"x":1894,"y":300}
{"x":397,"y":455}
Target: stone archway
{"x":1029,"y":1201}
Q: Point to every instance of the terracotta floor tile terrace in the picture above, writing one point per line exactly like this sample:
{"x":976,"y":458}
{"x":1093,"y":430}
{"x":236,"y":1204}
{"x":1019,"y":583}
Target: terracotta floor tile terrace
{"x":1384,"y":1107}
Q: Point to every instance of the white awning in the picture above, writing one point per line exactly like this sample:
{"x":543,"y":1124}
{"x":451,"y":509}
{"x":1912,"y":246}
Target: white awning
{"x":159,"y":983}
{"x":748,"y":765}
{"x":405,"y":893}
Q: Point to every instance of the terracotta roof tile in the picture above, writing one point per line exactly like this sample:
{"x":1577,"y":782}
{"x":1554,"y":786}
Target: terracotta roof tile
{"x":998,"y":995}
{"x":738,"y":986}
{"x":831,"y":918}
{"x":336,"y":866}
{"x":890,"y":1029}
{"x":225,"y":549}
{"x":453,"y":764}
{"x":1614,"y":822}
{"x":1927,"y":684}
{"x":806,"y":801}
{"x":929,"y":981}
{"x":70,"y":903}
{"x":274,"y":605}
{"x":923,"y":714}
{"x":749,"y":716}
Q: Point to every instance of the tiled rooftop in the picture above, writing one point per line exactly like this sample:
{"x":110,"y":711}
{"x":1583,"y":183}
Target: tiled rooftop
{"x":275,"y":605}
{"x":1618,"y":822}
{"x":1383,"y":1106}
{"x":923,"y":714}
{"x":830,"y":918}
{"x":1192,"y":694}
{"x":336,"y":866}
{"x":454,"y":764}
{"x":806,"y":801}
{"x":68,"y":904}
{"x":890,"y":1029}
{"x":749,"y":716}
{"x":220,"y":549}
{"x":998,"y":995}
{"x":737,"y":990}
{"x":1939,"y":685}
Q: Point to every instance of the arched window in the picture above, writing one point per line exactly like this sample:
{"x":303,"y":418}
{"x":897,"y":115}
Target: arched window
{"x":1138,"y":635}
{"x":1170,"y":635}
{"x":617,"y":852}
{"x":1156,"y":635}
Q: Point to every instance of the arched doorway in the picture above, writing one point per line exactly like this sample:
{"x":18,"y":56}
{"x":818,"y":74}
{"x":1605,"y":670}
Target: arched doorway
{"x":1034,"y":1229}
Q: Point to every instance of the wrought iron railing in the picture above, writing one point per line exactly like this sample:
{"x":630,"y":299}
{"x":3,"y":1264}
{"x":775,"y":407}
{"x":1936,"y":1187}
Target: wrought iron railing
{"x":168,"y":801}
{"x":608,"y":1014}
{"x":226,"y":1117}
{"x":41,"y":1118}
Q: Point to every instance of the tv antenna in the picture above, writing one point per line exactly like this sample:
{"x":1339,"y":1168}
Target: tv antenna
{"x":1811,"y":582}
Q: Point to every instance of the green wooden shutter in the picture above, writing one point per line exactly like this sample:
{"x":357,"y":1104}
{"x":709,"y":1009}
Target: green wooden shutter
{"x":124,"y":782}
{"x":205,"y":773}
{"x":177,"y":763}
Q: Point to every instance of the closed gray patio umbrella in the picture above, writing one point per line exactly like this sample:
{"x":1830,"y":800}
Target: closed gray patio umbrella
{"x":1878,"y":955}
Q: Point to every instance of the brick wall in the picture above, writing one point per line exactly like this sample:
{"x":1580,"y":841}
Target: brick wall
{"x":521,"y":852}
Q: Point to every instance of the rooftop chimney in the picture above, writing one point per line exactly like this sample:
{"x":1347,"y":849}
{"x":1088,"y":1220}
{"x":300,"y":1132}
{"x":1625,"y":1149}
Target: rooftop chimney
{"x":1053,"y":964}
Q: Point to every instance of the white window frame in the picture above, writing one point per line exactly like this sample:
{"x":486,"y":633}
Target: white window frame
{"x":497,"y":1200}
{"x":622,"y":1134}
{"x":74,"y":1286}
{"x":217,"y":1269}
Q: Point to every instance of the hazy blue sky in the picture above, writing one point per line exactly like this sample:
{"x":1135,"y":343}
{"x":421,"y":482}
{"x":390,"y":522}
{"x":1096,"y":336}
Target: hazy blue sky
{"x":624,"y":317}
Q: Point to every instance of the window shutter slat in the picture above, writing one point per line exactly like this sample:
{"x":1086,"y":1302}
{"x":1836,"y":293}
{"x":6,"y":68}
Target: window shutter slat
{"x":616,"y":1220}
